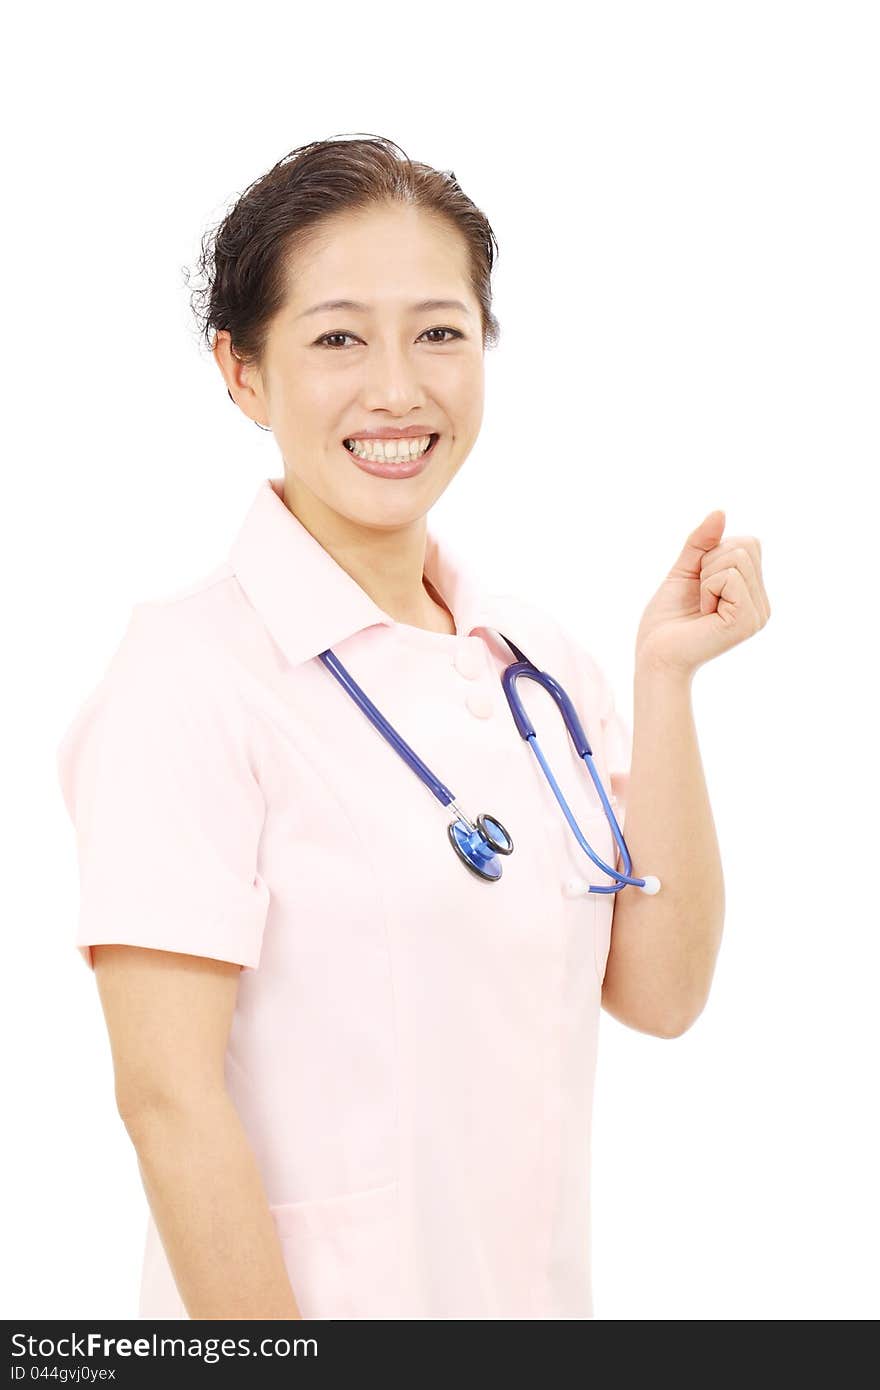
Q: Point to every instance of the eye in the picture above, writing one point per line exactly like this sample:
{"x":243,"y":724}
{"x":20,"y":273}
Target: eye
{"x":320,"y":342}
{"x":454,"y":331}
{"x":323,"y":340}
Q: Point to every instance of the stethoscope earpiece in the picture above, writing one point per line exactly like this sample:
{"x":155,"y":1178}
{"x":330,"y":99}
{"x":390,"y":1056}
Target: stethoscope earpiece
{"x":478,"y":846}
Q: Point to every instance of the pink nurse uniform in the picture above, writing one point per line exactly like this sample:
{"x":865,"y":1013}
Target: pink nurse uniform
{"x":413,"y":1048}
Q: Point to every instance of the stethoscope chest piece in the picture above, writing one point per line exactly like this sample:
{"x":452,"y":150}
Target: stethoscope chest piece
{"x":478,"y":848}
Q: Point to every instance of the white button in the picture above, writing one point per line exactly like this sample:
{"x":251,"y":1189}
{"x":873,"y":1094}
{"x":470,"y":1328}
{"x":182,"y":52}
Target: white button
{"x":480,"y":702}
{"x":575,"y":887}
{"x":468,"y":658}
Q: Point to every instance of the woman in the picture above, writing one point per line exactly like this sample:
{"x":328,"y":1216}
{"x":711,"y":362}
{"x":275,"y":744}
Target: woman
{"x":356,"y":1072}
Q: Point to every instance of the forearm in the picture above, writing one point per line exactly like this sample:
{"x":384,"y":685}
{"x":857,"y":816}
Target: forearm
{"x":210,"y":1207}
{"x":664,"y":947}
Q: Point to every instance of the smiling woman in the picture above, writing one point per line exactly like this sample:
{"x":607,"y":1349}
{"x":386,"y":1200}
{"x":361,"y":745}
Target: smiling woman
{"x":358,"y":1087}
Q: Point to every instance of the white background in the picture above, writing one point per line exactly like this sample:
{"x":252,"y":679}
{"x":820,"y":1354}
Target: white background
{"x":686,"y":201}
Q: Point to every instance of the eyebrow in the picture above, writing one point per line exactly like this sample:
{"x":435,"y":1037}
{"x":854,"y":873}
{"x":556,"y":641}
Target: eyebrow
{"x":352,"y":304}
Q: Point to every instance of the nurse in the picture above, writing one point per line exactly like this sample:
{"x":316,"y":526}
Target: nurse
{"x":358,"y":1078}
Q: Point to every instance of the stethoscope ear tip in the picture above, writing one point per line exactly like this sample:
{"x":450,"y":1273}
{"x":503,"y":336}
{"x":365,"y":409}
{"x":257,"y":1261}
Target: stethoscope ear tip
{"x":651,"y":884}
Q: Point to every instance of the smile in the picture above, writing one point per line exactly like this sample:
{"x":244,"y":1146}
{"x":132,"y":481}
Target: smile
{"x":404,"y":459}
{"x":390,"y":450}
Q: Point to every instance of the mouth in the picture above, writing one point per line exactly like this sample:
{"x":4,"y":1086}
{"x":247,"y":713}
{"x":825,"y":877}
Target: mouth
{"x":392,"y":467}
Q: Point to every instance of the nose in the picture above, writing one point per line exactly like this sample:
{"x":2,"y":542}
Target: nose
{"x":392,"y":380}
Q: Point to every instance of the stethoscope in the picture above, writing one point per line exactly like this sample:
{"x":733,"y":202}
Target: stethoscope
{"x":479,"y":844}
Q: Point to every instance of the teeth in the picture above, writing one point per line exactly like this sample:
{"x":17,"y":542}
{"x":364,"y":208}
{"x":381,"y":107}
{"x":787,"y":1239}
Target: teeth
{"x":401,"y":449}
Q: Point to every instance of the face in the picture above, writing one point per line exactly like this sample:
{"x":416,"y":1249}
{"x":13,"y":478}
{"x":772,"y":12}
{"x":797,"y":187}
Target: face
{"x":337,"y":374}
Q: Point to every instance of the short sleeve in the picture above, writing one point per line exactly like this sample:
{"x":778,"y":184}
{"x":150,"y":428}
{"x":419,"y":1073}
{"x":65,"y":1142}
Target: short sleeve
{"x":161,"y":784}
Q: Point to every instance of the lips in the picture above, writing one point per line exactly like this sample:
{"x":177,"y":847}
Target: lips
{"x":392,"y":468}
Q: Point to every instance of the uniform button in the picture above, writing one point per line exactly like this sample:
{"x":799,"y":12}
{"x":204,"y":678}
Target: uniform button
{"x":480,"y":702}
{"x":575,"y":887}
{"x":468,"y":658}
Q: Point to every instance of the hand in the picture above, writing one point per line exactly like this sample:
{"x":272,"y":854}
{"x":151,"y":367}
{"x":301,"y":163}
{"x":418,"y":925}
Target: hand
{"x":712,"y":599}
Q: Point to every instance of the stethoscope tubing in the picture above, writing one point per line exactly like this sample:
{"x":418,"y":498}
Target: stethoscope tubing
{"x":409,"y":755}
{"x":526,"y":669}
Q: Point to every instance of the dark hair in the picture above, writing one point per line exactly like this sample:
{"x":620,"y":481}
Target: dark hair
{"x":245,"y":257}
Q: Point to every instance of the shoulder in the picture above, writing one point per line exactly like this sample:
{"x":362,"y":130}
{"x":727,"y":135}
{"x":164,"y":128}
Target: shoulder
{"x":201,"y":615}
{"x":193,"y":631}
{"x":172,"y":688}
{"x":171,"y":662}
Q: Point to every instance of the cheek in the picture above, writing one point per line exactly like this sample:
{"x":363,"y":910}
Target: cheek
{"x":470,"y":416}
{"x":313,"y":390}
{"x":322,"y":402}
{"x":462,"y":392}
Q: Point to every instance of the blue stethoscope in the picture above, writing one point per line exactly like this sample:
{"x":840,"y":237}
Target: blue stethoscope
{"x":478,"y":845}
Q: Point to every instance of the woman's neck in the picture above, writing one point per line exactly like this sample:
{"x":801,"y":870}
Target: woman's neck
{"x":440,"y":618}
{"x":388,"y":565}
